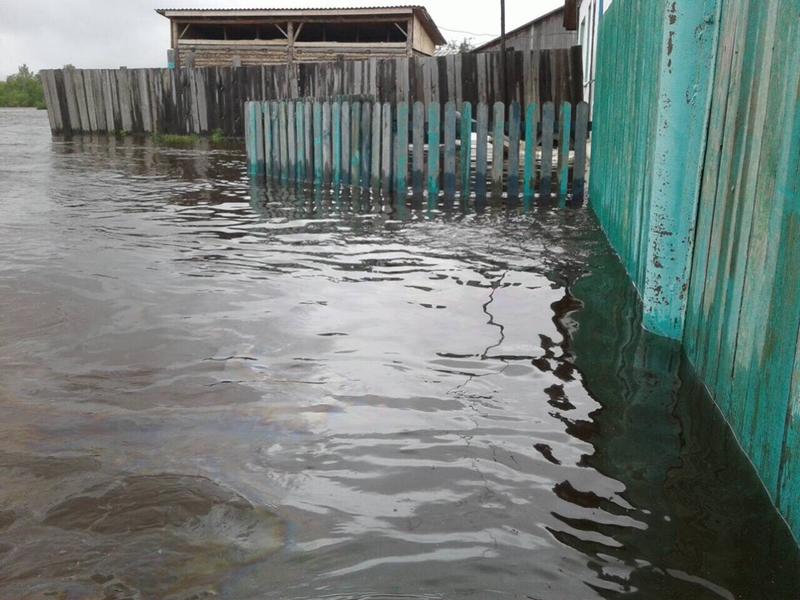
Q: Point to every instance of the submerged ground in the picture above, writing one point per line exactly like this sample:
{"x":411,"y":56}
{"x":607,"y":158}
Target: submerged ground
{"x":208,"y":389}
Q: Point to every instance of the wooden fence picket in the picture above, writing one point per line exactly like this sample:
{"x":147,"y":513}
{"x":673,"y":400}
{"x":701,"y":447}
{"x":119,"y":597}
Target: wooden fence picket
{"x":579,"y":164}
{"x":386,"y":149}
{"x":308,"y":129}
{"x":450,"y":151}
{"x":548,"y":118}
{"x":366,"y":144}
{"x":318,"y":144}
{"x":284,"y":142}
{"x":345,"y":125}
{"x":336,"y":142}
{"x":565,"y":126}
{"x":401,"y":151}
{"x":512,"y":181}
{"x":375,"y":167}
{"x":434,"y":111}
{"x":267,"y":119}
{"x":498,"y":148}
{"x":481,"y":150}
{"x":300,"y":137}
{"x":466,"y":150}
{"x":355,"y":143}
{"x":292,"y":141}
{"x":529,"y":176}
{"x":418,"y":148}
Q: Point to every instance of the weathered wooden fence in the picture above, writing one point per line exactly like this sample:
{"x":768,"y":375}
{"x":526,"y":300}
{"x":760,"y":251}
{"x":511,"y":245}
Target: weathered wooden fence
{"x":454,"y":153}
{"x":186,"y":101}
{"x":695,"y":180}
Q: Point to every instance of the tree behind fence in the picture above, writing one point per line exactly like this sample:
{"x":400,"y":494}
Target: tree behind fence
{"x":189,"y":101}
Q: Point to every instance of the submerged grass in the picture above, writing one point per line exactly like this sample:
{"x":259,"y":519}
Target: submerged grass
{"x":188,"y":141}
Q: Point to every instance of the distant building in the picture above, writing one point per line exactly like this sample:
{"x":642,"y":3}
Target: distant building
{"x":585,"y":16}
{"x":543,"y":33}
{"x":218,"y":37}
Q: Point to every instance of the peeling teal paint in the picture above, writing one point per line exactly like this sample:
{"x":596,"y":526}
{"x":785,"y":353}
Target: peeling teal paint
{"x":696,"y":183}
{"x":686,"y":72}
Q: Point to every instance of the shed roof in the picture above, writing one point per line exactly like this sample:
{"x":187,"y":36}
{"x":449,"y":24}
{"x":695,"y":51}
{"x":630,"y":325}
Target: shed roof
{"x":401,"y":10}
{"x":527,"y":25}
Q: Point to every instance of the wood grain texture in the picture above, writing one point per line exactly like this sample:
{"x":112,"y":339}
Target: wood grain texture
{"x":200,"y":100}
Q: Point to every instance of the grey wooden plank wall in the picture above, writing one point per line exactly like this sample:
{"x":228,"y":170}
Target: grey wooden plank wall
{"x":203,"y":100}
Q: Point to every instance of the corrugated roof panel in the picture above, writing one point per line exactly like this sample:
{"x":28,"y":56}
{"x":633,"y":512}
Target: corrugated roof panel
{"x":420,"y":11}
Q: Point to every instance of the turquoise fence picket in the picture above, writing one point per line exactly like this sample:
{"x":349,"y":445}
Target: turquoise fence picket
{"x":512,"y":181}
{"x":450,"y":151}
{"x":401,"y":151}
{"x":434,"y":110}
{"x":498,"y":147}
{"x":466,"y":150}
{"x":481,"y":150}
{"x":418,"y":148}
{"x":548,"y":125}
{"x":529,"y":176}
{"x":563,"y":150}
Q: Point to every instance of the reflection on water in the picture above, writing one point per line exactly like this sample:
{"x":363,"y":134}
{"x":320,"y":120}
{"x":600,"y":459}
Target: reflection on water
{"x":212,"y":390}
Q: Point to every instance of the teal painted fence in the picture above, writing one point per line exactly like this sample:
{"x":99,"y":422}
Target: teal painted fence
{"x":730,"y":171}
{"x":368,"y":145}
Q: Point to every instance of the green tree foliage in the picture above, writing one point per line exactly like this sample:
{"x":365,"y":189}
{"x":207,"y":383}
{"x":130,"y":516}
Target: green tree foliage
{"x":22,"y":89}
{"x":464,"y":46}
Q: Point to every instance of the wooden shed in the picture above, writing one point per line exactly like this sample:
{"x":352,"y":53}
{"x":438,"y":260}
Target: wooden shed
{"x":217,"y":37}
{"x":543,"y":33}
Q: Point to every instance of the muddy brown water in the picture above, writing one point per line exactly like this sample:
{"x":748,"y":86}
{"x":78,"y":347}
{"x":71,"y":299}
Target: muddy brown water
{"x":211,"y":390}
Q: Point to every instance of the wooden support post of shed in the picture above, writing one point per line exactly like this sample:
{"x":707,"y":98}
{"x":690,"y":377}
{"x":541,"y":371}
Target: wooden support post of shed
{"x":174,"y":39}
{"x":290,"y":43}
{"x":410,"y":37}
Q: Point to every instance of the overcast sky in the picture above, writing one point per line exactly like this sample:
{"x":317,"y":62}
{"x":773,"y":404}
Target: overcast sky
{"x":110,"y":33}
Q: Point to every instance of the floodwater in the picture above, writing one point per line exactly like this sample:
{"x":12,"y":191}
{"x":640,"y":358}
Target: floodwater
{"x":212,"y":391}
